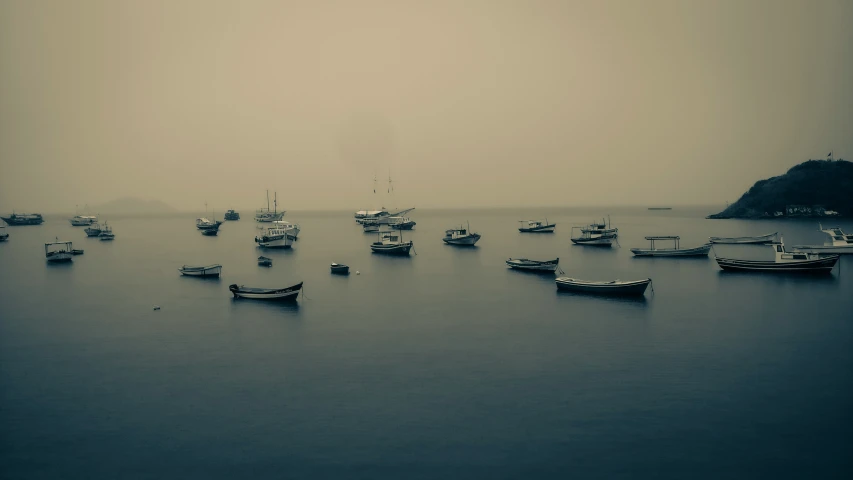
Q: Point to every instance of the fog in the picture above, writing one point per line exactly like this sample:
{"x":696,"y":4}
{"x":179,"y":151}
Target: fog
{"x":465,"y":103}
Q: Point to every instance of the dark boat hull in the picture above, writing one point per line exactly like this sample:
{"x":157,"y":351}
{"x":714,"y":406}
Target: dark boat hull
{"x":16,"y":222}
{"x":281,"y":294}
{"x":600,"y":288}
{"x":340,"y":269}
{"x":540,"y":229}
{"x":402,"y":249}
{"x":821,"y":265}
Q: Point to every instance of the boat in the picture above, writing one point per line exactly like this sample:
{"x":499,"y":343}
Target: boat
{"x":275,"y":236}
{"x":289,"y":293}
{"x":386,"y":218}
{"x":595,"y":234}
{"x":613,"y":287}
{"x":461,"y":236}
{"x":292,"y":229}
{"x":535,"y":226}
{"x":371,"y":214}
{"x":93,"y":230}
{"x":533,"y":265}
{"x":370,"y":227}
{"x":676,"y":251}
{"x":210,"y":232}
{"x":760,"y":239}
{"x":83,"y":220}
{"x":57,"y":251}
{"x":3,"y":235}
{"x":660,"y":208}
{"x":76,"y":251}
{"x":839,"y":242}
{"x":205,"y":223}
{"x":209,"y":271}
{"x":784,"y":262}
{"x":232,"y":215}
{"x":106,"y":233}
{"x":264,"y":261}
{"x":401,"y":223}
{"x":340,"y":268}
{"x":266,"y":215}
{"x":17,"y":219}
{"x":391,"y":243}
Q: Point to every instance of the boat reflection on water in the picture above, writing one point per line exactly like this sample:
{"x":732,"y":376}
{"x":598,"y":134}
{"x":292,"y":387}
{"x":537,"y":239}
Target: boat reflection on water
{"x":612,"y":299}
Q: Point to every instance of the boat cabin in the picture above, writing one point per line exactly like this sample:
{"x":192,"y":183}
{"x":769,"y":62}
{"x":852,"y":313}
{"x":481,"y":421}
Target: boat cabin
{"x":675,"y":239}
{"x":57,"y":248}
{"x":785,"y":256}
{"x":838,"y":236}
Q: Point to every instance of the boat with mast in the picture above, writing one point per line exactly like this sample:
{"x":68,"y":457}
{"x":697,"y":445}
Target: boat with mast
{"x":391,"y":243}
{"x":461,"y":236}
{"x":370,"y":214}
{"x":839,"y":242}
{"x":596,"y":234}
{"x":266,"y":215}
{"x":231,"y":215}
{"x":106,"y":233}
{"x":93,"y":230}
{"x":535,"y":226}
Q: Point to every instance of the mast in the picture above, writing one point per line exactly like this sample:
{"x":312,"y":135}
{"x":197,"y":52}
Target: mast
{"x":275,"y":204}
{"x":268,"y":199}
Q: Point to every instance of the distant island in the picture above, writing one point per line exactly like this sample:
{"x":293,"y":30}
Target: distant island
{"x":132,"y":205}
{"x":816,"y":188}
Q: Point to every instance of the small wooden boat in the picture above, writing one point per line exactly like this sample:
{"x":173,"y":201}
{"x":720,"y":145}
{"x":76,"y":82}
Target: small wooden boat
{"x":212,"y":232}
{"x":391,"y":243}
{"x":461,"y":236}
{"x":533,"y":265}
{"x":264,"y":261}
{"x":614,"y":287}
{"x":289,"y":293}
{"x":56,"y":252}
{"x":535,"y":226}
{"x":839,"y":242}
{"x":760,"y":239}
{"x":784,"y":262}
{"x":676,"y":251}
{"x":208,"y":271}
{"x":340,"y":268}
{"x":76,"y":251}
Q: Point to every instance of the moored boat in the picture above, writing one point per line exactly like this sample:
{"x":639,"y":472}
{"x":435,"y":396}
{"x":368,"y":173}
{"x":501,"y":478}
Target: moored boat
{"x":533,"y":265}
{"x":264,"y":261}
{"x":461,"y":236}
{"x":205,"y":223}
{"x":275,"y":236}
{"x":676,"y":251}
{"x":3,"y":234}
{"x":759,"y":239}
{"x":595,"y":234}
{"x":391,"y":243}
{"x":17,"y":219}
{"x":401,"y":223}
{"x":207,"y":271}
{"x":370,"y":227}
{"x":613,"y":287}
{"x":535,"y":226}
{"x":340,"y":268}
{"x":211,"y":232}
{"x":784,"y":262}
{"x":266,"y":215}
{"x":56,"y":252}
{"x":83,"y":220}
{"x":106,"y":233}
{"x":76,"y":251}
{"x":289,"y":293}
{"x":839,"y":242}
{"x":232,"y":215}
{"x":93,"y":230}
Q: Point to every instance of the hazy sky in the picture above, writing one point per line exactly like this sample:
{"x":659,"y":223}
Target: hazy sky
{"x":469,"y":103}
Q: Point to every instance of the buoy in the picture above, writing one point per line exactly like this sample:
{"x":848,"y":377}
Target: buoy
{"x":357,"y":272}
{"x":156,"y":307}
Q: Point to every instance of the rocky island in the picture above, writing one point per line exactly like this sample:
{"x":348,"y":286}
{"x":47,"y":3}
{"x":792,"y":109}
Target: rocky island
{"x":816,"y":188}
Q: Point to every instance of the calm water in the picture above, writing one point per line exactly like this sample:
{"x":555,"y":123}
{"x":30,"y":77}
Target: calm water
{"x":442,"y":365}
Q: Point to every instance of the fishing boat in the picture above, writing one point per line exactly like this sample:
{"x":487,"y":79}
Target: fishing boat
{"x":275,"y":236}
{"x":675,"y":251}
{"x":208,"y":271}
{"x":3,"y":234}
{"x":264,"y":261}
{"x":106,"y":233}
{"x":783,"y":262}
{"x":83,"y":220}
{"x":205,"y":223}
{"x":595,"y":234}
{"x":535,"y":226}
{"x":391,"y":243}
{"x":232,"y":215}
{"x":77,"y":251}
{"x":289,"y":293}
{"x":839,"y":242}
{"x":461,"y":236}
{"x":533,"y":265}
{"x":340,"y":268}
{"x":57,"y":252}
{"x":401,"y":223}
{"x":17,"y":219}
{"x":93,"y":230}
{"x":760,"y":239}
{"x":292,"y":229}
{"x":613,"y":287}
{"x":266,"y":215}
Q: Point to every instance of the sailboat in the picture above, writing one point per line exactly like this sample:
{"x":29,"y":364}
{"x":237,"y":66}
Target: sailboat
{"x":370,"y":214}
{"x":207,"y":226}
{"x":265,"y":215}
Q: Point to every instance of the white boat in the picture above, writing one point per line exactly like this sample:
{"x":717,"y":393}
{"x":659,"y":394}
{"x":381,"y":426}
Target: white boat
{"x":362,"y":214}
{"x":3,"y":235}
{"x":266,"y":215}
{"x":461,"y":236}
{"x":57,"y":251}
{"x":289,"y":293}
{"x":292,"y":229}
{"x":533,"y":265}
{"x":208,"y":271}
{"x":93,"y":230}
{"x":535,"y":226}
{"x":391,"y":243}
{"x":275,"y":236}
{"x":676,"y":251}
{"x":205,"y":223}
{"x":784,"y":262}
{"x":83,"y":220}
{"x":106,"y":233}
{"x":759,"y":239}
{"x":613,"y":287}
{"x":839,"y":242}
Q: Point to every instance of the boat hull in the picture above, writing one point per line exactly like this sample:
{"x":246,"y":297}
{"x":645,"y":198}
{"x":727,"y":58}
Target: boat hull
{"x":3,"y":238}
{"x":208,"y":271}
{"x":542,"y":229}
{"x":106,"y":238}
{"x":549,"y":266}
{"x":467,"y":241}
{"x":17,"y":221}
{"x":672,"y":252}
{"x":403,"y":226}
{"x":820,"y":265}
{"x":340,"y":269}
{"x":761,"y":239}
{"x":399,"y":249}
{"x":637,"y":287}
{"x":269,"y":217}
{"x":289,"y":293}
{"x":92,"y":232}
{"x":594,"y":242}
{"x":60,"y":257}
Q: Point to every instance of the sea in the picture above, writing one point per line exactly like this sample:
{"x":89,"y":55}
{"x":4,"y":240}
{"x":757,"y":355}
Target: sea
{"x":441,"y":365}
